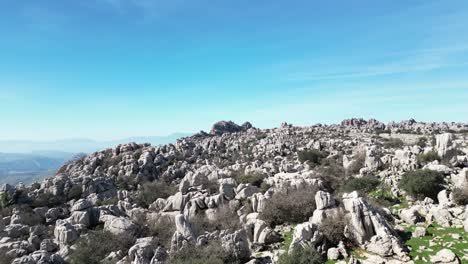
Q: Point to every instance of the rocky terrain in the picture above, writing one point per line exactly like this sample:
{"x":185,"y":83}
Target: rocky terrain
{"x":358,"y":192}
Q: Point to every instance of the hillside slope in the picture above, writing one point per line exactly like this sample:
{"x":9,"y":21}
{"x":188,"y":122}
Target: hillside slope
{"x":245,"y":195}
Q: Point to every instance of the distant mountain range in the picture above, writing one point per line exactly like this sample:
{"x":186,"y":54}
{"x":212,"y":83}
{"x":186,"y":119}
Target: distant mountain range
{"x":27,"y":168}
{"x":29,"y":161}
{"x":80,"y":145}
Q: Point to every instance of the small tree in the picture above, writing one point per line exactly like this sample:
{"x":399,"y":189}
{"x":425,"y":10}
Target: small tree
{"x":422,"y":183}
{"x":393,"y":143}
{"x":306,"y":255}
{"x":313,"y":156}
{"x":460,"y":195}
{"x":363,"y":185}
{"x":96,"y":245}
{"x":292,"y":206}
{"x":151,"y":191}
{"x":428,"y":157}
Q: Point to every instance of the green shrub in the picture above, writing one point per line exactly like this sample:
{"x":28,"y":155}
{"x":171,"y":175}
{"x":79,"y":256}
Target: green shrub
{"x":96,"y":245}
{"x":422,"y":183}
{"x":211,"y":253}
{"x":460,"y":195}
{"x":306,"y":255}
{"x":383,"y":196}
{"x":151,"y":191}
{"x":75,"y":192}
{"x":46,"y":199}
{"x":450,"y":154}
{"x":428,"y":157}
{"x":254,"y":179}
{"x":225,"y":218}
{"x":313,"y":156}
{"x":333,"y":229}
{"x":163,"y":228}
{"x":293,"y":206}
{"x":422,"y":142}
{"x":332,"y":173}
{"x":393,"y":143}
{"x":358,"y":163}
{"x":363,"y":185}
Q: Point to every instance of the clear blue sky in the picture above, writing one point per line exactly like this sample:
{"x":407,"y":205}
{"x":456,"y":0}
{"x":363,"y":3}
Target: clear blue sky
{"x":109,"y":69}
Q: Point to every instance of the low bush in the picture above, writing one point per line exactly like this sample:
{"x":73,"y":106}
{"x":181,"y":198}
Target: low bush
{"x":211,"y":253}
{"x":428,"y":157}
{"x":75,"y":192}
{"x":306,"y":255}
{"x":358,"y":163}
{"x":163,"y":228}
{"x":382,"y":196}
{"x":333,"y":229}
{"x":332,"y":173}
{"x":422,"y":183}
{"x":313,"y":156}
{"x":151,"y":191}
{"x":96,"y":245}
{"x":393,"y":143}
{"x":363,"y":185}
{"x":254,"y":179}
{"x":225,"y":218}
{"x":422,"y":142}
{"x":450,"y":154}
{"x":460,"y":195}
{"x":46,"y":199}
{"x":292,"y":206}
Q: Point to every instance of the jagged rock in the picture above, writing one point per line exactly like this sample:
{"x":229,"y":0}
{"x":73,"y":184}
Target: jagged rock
{"x":246,"y":191}
{"x":445,"y":199}
{"x":143,"y":251}
{"x":411,"y":215}
{"x":333,"y":254}
{"x":443,"y":142}
{"x":445,"y":256}
{"x":419,"y":231}
{"x":120,"y":225}
{"x":48,"y":245}
{"x":81,"y":205}
{"x":324,"y":200}
{"x":183,"y":227}
{"x":16,"y":230}
{"x":65,"y":233}
{"x":380,"y":245}
{"x":442,"y":216}
{"x":365,"y":221}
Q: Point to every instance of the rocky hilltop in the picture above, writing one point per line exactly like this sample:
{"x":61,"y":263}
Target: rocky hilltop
{"x":358,"y":192}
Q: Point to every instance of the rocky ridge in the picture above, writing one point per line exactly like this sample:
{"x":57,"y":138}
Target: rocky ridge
{"x":238,"y":172}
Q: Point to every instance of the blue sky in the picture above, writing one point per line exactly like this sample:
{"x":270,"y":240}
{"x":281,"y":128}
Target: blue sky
{"x":107,"y":69}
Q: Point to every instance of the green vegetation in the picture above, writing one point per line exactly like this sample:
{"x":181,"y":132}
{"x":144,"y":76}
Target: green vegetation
{"x":313,"y":156}
{"x":422,"y":183}
{"x":96,"y":245}
{"x":358,"y":163}
{"x":383,"y":196}
{"x":212,"y":253}
{"x":151,"y":191}
{"x":254,"y":179}
{"x":441,"y":237}
{"x":428,"y":157}
{"x":306,"y":255}
{"x":75,"y":192}
{"x":422,"y":142}
{"x":393,"y":143}
{"x":363,"y":185}
{"x":460,"y":195}
{"x":287,"y":239}
{"x":293,"y":206}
